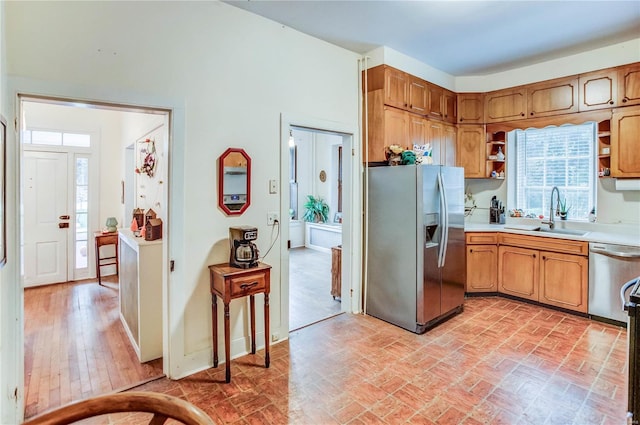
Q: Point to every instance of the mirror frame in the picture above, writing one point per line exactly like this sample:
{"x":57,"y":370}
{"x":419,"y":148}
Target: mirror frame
{"x":221,"y":203}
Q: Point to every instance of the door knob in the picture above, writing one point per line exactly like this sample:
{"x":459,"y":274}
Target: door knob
{"x":64,"y":217}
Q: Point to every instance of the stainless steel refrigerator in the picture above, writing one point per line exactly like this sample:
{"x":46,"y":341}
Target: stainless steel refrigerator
{"x":416,"y":264}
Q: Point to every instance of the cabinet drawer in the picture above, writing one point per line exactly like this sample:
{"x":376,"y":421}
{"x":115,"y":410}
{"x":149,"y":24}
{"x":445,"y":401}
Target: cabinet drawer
{"x":482,"y":238}
{"x":544,"y":243}
{"x":248,"y":284}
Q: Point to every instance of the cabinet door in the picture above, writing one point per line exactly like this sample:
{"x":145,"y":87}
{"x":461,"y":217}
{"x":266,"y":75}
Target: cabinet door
{"x":482,"y":268}
{"x":396,"y":127}
{"x":471,"y":108}
{"x":598,"y":90}
{"x":435,"y":102}
{"x":449,"y":145}
{"x":418,"y":131}
{"x":436,"y":138}
{"x":625,"y":154}
{"x":629,"y":85}
{"x":396,"y":87}
{"x":471,"y":147}
{"x":518,"y":270}
{"x":418,"y":96}
{"x":553,"y":97}
{"x":450,"y":106}
{"x":506,"y":105}
{"x":564,"y":280}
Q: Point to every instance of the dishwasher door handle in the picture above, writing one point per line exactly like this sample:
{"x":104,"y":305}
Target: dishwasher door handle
{"x":619,"y":254}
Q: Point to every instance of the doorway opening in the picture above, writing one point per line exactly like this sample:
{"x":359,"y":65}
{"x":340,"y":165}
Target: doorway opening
{"x":316,"y":211}
{"x":75,"y":176}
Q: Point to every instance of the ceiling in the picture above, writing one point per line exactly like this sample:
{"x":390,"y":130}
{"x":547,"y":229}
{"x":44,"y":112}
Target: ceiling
{"x":461,"y":38}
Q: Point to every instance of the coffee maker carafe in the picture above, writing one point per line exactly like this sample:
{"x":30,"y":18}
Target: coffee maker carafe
{"x":244,"y":253}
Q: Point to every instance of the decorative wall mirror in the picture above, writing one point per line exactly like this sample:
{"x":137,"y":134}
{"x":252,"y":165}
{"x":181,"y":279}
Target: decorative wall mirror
{"x":234,"y":181}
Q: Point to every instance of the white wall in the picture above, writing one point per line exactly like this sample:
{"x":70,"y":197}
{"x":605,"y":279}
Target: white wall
{"x":605,"y":57}
{"x":227,"y":75}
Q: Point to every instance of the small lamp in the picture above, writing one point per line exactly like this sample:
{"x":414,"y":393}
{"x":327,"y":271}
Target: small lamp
{"x":111,"y":224}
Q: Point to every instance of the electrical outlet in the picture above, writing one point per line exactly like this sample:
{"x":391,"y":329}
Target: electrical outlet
{"x":272,"y":217}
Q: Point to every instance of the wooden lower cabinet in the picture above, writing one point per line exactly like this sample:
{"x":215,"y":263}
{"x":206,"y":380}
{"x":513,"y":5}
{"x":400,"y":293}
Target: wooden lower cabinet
{"x":518,"y":270}
{"x":564,"y":280}
{"x":482,"y":268}
{"x":552,"y":278}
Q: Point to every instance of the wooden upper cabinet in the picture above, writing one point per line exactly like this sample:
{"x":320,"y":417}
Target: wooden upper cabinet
{"x":418,"y":130}
{"x":552,"y":97}
{"x":418,"y":96}
{"x":448,"y":152}
{"x":396,"y":88}
{"x":629,"y":85}
{"x":471,"y":150}
{"x":470,"y":108}
{"x":506,"y":105}
{"x":598,"y":90}
{"x":436,"y":103}
{"x":436,"y":138}
{"x":450,"y":107}
{"x":396,"y":127}
{"x":625,"y":144}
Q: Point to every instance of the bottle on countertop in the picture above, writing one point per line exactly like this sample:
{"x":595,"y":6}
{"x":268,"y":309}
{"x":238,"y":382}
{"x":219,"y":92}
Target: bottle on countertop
{"x":592,"y":215}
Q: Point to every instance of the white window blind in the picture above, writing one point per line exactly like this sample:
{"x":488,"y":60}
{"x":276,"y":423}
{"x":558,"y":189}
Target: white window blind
{"x":556,"y":156}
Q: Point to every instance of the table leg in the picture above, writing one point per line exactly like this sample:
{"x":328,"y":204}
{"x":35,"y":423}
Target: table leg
{"x":214,"y":326}
{"x":267,"y":334}
{"x":98,"y":263}
{"x":227,"y":343}
{"x":252,"y":303}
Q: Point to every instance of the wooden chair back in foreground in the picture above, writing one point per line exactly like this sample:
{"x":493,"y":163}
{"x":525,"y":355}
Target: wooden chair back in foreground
{"x":162,"y":406}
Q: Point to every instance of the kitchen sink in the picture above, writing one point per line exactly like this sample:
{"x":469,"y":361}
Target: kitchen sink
{"x":563,"y":231}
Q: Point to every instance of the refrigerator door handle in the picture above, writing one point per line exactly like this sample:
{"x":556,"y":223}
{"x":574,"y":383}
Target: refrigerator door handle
{"x":444,"y":222}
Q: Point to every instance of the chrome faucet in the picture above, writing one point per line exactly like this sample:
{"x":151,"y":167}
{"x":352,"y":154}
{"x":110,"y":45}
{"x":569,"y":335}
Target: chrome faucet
{"x":551,"y":221}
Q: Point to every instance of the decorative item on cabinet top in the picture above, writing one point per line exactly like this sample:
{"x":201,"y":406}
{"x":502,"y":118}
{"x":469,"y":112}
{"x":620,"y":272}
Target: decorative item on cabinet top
{"x":148,"y":158}
{"x":153,"y":229}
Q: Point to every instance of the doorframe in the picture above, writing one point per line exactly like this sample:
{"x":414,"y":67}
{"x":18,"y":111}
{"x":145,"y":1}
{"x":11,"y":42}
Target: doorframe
{"x":351,"y":224}
{"x":12,"y":300}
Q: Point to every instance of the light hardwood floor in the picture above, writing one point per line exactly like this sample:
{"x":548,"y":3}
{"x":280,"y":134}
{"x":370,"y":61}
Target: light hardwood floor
{"x":310,"y":297}
{"x":76,"y":346}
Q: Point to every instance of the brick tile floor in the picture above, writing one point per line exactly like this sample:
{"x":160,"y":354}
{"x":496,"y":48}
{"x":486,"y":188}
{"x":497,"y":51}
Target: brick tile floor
{"x":499,"y":362}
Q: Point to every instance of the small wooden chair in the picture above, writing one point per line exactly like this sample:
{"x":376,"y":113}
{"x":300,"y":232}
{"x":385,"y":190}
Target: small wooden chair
{"x":162,"y":406}
{"x":103,"y":239}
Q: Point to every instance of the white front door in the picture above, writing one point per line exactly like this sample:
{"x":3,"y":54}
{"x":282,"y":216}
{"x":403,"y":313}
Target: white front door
{"x":45,"y":208}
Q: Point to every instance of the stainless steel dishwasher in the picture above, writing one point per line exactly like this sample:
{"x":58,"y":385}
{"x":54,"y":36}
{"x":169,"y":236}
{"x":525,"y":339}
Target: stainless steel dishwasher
{"x":610,"y":267}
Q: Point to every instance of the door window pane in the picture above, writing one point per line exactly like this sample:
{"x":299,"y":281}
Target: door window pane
{"x":81,"y":212}
{"x":52,"y":138}
{"x":75,"y":139}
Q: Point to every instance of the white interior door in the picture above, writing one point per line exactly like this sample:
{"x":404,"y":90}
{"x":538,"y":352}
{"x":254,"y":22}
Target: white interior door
{"x":45,"y":206}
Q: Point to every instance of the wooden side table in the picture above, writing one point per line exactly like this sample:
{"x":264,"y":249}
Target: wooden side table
{"x":101,"y":240}
{"x":229,"y":283}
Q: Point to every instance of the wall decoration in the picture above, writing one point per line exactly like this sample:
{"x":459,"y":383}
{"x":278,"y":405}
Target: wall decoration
{"x":147,"y":158}
{"x":323,"y":176}
{"x":3,"y":191}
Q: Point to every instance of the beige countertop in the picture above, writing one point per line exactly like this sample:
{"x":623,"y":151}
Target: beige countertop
{"x":622,"y":234}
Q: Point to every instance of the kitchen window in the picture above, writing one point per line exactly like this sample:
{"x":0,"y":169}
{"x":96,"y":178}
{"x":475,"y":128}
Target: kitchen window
{"x":554,"y":156}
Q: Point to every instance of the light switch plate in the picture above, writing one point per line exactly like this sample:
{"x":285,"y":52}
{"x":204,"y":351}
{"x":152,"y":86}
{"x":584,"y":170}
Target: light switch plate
{"x":273,"y":186}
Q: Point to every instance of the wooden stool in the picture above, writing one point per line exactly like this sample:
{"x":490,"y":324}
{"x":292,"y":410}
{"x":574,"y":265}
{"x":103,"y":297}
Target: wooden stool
{"x":101,"y":240}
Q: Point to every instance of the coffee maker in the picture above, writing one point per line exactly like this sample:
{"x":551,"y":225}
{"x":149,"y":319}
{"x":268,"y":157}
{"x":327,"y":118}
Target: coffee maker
{"x":244,"y":253}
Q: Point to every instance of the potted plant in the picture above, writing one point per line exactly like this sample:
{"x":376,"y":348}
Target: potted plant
{"x":563,"y":209}
{"x":316,"y":210}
